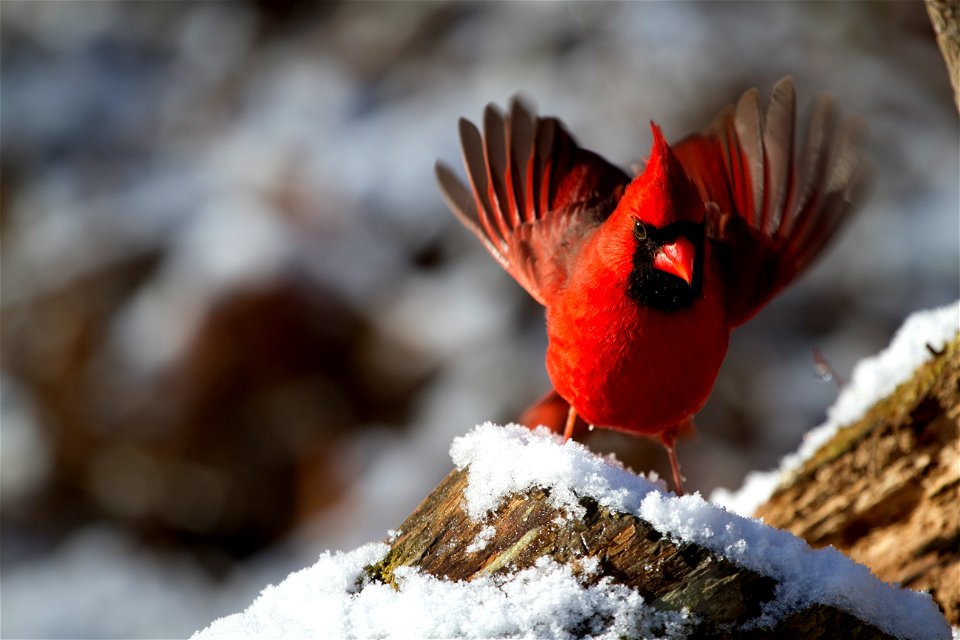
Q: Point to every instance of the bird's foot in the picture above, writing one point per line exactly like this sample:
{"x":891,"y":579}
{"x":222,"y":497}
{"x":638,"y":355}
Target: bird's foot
{"x":571,"y":421}
{"x":669,"y":440}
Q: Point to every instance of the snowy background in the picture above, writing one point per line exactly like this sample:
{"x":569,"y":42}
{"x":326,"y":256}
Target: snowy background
{"x":239,"y":326}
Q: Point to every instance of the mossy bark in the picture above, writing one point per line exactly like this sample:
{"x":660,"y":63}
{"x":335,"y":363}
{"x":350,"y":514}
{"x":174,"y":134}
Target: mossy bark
{"x":886,"y":489}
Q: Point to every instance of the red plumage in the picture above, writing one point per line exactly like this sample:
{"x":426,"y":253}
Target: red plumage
{"x":644,"y":279}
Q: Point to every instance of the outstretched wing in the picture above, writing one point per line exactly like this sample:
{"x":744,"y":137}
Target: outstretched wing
{"x":778,"y":203}
{"x":534,"y":194}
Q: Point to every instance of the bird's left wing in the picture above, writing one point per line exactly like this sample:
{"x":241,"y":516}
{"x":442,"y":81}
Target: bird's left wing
{"x":534,"y":194}
{"x":776,"y":202}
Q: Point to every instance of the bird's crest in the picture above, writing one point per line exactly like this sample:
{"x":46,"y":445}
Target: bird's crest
{"x":663,"y":193}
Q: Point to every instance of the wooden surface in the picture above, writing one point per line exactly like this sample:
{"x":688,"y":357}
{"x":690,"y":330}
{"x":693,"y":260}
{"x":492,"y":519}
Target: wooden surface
{"x":670,"y":576}
{"x":886,"y":490}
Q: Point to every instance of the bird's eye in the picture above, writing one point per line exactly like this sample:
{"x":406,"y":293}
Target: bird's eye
{"x":639,"y":230}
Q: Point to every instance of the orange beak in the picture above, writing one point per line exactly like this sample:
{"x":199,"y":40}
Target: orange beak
{"x":676,"y":258}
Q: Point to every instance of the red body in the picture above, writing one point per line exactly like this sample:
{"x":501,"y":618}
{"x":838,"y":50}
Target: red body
{"x":626,"y":367}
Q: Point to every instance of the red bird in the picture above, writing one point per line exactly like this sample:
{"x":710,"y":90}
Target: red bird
{"x":643,"y":279}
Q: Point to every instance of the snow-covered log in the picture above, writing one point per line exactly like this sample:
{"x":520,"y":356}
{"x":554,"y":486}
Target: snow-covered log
{"x":679,"y":565}
{"x":532,"y":537}
{"x":880,"y":480}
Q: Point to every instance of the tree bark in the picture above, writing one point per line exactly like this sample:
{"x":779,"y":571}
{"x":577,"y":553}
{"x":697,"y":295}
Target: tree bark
{"x":886,"y":489}
{"x":945,"y":16}
{"x":436,"y":538}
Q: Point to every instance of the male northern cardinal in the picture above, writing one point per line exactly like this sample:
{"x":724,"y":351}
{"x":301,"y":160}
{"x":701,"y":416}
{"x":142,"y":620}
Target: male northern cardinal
{"x":643,"y":279}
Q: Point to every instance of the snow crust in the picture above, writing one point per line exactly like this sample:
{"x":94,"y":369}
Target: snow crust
{"x":514,"y":459}
{"x":873,"y":378}
{"x":482,"y":540}
{"x":334,"y":598}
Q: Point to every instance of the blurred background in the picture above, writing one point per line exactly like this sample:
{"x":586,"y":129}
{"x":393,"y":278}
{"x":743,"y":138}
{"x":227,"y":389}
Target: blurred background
{"x":239,"y":327}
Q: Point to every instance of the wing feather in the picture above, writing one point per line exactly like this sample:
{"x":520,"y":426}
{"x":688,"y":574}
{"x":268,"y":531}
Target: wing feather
{"x":545,"y":134}
{"x":473,"y":159}
{"x":778,"y":148}
{"x":495,"y":155}
{"x":749,"y":149}
{"x":520,"y":149}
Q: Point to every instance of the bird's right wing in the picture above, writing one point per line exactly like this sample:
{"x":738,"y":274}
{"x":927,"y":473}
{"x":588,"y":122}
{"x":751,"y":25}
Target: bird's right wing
{"x":534,"y":194}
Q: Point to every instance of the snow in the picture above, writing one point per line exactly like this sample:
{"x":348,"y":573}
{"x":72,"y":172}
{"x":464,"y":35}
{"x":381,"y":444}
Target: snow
{"x":102,"y":584}
{"x":483,"y":538}
{"x":513,"y":459}
{"x":877,"y":376}
{"x":873,"y":378}
{"x":334,"y":599}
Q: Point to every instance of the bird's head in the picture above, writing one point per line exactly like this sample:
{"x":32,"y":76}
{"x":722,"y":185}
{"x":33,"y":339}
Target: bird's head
{"x":665,"y":215}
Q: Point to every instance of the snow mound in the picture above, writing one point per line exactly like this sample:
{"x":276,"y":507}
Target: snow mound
{"x":335,"y":599}
{"x":873,"y":379}
{"x":512,"y":459}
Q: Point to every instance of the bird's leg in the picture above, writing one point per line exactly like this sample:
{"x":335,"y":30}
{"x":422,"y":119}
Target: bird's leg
{"x":571,"y":421}
{"x":669,"y":440}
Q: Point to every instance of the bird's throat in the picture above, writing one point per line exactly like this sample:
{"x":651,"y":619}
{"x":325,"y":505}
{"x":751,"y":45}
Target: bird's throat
{"x":656,"y":289}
